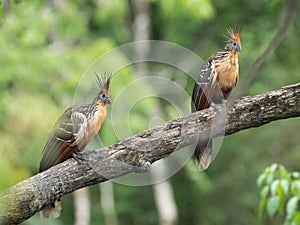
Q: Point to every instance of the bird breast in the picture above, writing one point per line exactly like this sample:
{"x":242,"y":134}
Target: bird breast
{"x":99,"y":117}
{"x":94,"y":124}
{"x":227,"y":74}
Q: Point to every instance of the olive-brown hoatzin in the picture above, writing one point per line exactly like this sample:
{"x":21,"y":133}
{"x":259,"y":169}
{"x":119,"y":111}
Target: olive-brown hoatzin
{"x":76,"y":127}
{"x":218,"y":76}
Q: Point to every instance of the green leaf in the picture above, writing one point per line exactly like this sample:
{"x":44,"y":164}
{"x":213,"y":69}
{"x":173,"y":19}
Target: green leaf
{"x":264,"y":191}
{"x":260,"y":179}
{"x":273,"y":167}
{"x":285,"y":186}
{"x":261,"y":206}
{"x":270,"y":178}
{"x":272,"y":205}
{"x":283,"y":172}
{"x":281,"y":204}
{"x":296,"y":218}
{"x":291,"y":207}
{"x":281,"y":196}
{"x":295,"y":187}
{"x":274,"y":186}
{"x":295,"y":175}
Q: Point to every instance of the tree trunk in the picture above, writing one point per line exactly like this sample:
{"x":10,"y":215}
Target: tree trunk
{"x":108,"y":203}
{"x":82,"y":207}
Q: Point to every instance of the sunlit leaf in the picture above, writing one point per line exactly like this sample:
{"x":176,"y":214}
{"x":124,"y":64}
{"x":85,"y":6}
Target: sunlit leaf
{"x":283,"y":171}
{"x":291,"y":207}
{"x":295,"y":175}
{"x":260,"y":179}
{"x":272,"y":205}
{"x":270,"y":178}
{"x":274,"y":186}
{"x":285,"y":186}
{"x":264,"y":191}
{"x":273,"y":167}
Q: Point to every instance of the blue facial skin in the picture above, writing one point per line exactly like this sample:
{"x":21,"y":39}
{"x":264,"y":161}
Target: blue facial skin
{"x":235,"y":46}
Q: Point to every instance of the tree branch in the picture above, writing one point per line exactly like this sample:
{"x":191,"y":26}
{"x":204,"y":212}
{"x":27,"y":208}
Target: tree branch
{"x":23,"y":200}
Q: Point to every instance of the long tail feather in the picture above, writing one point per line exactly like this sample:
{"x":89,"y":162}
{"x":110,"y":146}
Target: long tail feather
{"x":203,"y":155}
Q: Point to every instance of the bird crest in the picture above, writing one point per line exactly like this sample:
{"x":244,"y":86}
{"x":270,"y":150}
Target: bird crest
{"x":234,"y":35}
{"x":103,"y":80}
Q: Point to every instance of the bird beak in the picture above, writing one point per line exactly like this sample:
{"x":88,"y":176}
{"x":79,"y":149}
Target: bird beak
{"x":239,"y":48}
{"x":107,"y":100}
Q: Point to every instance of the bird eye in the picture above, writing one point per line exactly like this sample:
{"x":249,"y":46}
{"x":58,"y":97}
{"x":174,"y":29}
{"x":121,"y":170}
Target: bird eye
{"x":235,"y":46}
{"x":102,"y":96}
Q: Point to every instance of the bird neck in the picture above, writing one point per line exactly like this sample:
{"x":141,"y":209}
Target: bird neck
{"x":232,"y":57}
{"x":93,"y":107}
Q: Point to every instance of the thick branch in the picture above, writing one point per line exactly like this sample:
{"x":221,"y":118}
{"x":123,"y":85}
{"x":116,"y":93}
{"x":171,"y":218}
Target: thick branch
{"x":23,"y":200}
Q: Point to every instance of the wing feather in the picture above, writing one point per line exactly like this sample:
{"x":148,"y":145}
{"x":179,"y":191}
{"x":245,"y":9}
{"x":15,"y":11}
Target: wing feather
{"x":203,"y":95}
{"x":65,"y":138}
{"x":203,"y":90}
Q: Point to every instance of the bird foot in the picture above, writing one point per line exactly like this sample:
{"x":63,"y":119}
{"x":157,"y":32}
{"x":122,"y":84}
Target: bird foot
{"x":218,"y":104}
{"x":214,"y":105}
{"x":143,"y":166}
{"x":80,"y":157}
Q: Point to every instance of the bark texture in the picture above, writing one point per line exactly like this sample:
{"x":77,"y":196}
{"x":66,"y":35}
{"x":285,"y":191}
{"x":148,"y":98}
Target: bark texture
{"x":23,"y":200}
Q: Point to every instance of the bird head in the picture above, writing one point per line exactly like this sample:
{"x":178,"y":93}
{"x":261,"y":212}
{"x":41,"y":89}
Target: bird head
{"x":234,"y":42}
{"x":103,"y":96}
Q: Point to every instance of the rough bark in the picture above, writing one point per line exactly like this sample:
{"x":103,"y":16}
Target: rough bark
{"x":23,"y":200}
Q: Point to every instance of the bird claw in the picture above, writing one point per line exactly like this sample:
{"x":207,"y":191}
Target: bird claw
{"x":143,"y":166}
{"x":80,"y":157}
{"x":216,"y":105}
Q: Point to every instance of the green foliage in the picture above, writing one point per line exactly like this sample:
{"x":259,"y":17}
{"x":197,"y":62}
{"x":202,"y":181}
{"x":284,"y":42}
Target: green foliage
{"x":280,"y":193}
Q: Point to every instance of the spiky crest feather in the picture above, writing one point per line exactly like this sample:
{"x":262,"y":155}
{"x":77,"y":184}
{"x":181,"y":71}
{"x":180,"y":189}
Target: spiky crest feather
{"x":234,"y":35}
{"x":103,"y":80}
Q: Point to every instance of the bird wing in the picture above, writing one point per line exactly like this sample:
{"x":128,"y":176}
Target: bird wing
{"x":202,"y":97}
{"x":65,"y":138}
{"x":203,"y":89}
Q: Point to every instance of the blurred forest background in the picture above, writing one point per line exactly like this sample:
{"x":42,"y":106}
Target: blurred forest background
{"x":46,"y":46}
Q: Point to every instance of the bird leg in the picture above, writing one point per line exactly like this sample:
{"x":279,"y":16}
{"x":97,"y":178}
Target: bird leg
{"x":218,"y":102}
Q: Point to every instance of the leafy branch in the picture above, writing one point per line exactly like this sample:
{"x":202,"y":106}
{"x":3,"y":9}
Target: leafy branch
{"x":280,"y":192}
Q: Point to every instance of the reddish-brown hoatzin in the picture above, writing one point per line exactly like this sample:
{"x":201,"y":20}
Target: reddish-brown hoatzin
{"x":76,"y":127}
{"x":218,"y":76}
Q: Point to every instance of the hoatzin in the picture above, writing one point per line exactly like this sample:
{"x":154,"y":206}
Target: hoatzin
{"x":218,"y":76}
{"x":76,"y":127}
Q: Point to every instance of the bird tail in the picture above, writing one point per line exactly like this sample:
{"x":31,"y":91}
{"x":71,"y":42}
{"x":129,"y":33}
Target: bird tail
{"x":203,"y":155}
{"x":51,"y":211}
